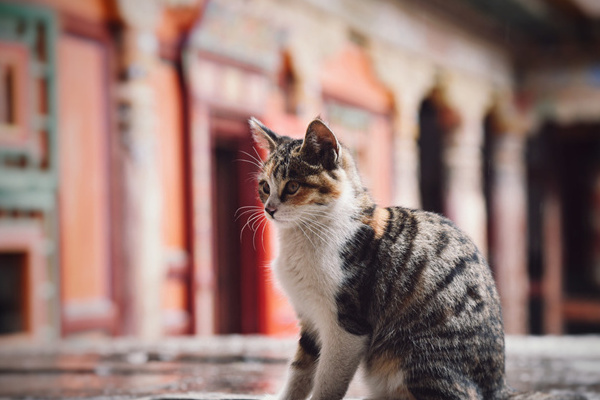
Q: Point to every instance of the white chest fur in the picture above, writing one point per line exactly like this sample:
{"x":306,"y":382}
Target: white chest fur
{"x":309,"y":268}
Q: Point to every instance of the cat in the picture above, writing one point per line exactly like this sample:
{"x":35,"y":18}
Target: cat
{"x":404,"y":292}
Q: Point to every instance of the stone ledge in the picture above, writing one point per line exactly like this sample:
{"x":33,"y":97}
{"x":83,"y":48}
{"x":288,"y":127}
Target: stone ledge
{"x":244,"y":368}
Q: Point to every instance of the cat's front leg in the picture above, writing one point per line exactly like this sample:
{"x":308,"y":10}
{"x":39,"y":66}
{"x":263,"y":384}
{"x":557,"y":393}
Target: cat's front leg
{"x":301,"y":372}
{"x":340,"y":355}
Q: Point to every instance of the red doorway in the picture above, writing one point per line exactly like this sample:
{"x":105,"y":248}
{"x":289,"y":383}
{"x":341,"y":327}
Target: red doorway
{"x":238,"y":254}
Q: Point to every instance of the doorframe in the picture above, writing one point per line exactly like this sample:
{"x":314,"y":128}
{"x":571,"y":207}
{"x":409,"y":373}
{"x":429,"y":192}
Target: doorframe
{"x":28,"y":238}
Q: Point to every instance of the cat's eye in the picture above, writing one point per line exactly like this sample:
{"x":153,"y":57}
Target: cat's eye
{"x":266,"y":188}
{"x":292,"y":187}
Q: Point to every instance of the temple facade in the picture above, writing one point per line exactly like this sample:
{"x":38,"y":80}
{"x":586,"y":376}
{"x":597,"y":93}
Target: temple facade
{"x":125,"y":154}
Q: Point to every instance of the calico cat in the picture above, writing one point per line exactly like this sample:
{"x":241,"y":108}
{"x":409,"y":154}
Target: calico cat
{"x":402,"y":291}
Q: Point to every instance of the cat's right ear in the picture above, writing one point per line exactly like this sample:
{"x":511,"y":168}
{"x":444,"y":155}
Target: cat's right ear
{"x":320,"y":145}
{"x":263,"y":136}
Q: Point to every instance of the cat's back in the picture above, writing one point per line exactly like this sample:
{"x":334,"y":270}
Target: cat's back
{"x":419,"y":268}
{"x":422,"y":291}
{"x":432,"y":266}
{"x":433,"y":302}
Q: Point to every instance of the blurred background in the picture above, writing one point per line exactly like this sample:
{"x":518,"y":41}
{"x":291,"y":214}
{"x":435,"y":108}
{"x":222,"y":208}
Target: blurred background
{"x":124,"y":141}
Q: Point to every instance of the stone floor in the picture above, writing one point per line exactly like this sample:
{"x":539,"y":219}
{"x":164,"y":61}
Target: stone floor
{"x":237,"y":367}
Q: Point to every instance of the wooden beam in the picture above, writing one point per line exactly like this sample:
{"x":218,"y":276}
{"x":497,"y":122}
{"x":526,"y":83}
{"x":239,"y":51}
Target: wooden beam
{"x":582,"y":310}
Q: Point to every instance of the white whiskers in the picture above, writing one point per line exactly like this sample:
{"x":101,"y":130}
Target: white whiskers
{"x":256,"y":161}
{"x":255,"y":220}
{"x":317,"y":226}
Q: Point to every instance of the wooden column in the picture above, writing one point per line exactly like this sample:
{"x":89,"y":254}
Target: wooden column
{"x":141,"y":208}
{"x":463,"y":105}
{"x":406,"y":152}
{"x":464,"y":201}
{"x":552,"y":281}
{"x":202,"y":194}
{"x":463,"y":195}
{"x":509,"y":230}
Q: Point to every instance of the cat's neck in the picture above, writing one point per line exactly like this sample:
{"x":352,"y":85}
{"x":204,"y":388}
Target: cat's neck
{"x":317,"y":234}
{"x":361,"y":198}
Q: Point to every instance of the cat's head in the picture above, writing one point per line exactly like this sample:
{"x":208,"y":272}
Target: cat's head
{"x":302,"y":178}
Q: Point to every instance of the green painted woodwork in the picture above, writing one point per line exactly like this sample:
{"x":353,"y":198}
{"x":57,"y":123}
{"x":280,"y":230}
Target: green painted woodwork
{"x":22,"y":170}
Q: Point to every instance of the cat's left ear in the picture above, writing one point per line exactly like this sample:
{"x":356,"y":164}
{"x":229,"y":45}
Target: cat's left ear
{"x":320,"y":145}
{"x":263,"y":136}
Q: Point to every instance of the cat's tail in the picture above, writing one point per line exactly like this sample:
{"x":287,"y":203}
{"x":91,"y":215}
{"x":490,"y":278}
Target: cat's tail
{"x":544,"y":396}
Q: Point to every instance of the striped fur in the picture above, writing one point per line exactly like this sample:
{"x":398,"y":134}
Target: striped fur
{"x":404,"y":292}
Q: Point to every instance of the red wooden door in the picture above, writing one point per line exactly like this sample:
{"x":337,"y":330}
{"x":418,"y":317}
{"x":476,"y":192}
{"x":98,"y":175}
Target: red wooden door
{"x":87,"y":301}
{"x":237,"y":253}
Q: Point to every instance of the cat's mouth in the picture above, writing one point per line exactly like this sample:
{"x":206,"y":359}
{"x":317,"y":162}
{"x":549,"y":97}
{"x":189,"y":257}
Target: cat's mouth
{"x":282,"y":218}
{"x":277,"y":218}
{"x":306,"y":220}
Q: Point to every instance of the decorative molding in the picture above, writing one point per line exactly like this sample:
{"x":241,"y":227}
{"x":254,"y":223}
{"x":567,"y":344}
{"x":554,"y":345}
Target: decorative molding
{"x":227,"y":86}
{"x":565,"y":95}
{"x":435,"y":36}
{"x":352,"y":64}
{"x":237,"y":35}
{"x":89,"y":314}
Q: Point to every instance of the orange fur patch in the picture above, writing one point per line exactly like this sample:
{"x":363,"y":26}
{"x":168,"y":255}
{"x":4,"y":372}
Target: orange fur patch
{"x":388,"y":367}
{"x":378,"y":221}
{"x":384,"y":366}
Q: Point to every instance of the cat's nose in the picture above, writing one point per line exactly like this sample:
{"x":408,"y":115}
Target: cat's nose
{"x":271,"y":210}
